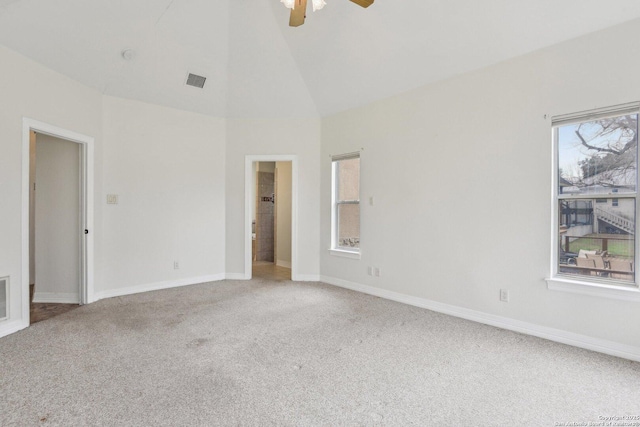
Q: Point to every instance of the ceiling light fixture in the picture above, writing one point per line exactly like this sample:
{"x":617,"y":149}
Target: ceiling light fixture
{"x":291,"y":4}
{"x":318,"y":4}
{"x":299,"y":8}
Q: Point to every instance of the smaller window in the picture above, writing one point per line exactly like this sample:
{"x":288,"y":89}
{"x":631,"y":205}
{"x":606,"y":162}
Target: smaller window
{"x":345,"y":224}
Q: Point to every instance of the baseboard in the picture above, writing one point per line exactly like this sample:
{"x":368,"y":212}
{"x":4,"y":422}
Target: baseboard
{"x":157,"y":286}
{"x":10,"y":327}
{"x":306,"y":278}
{"x":236,"y":276}
{"x":285,"y":264}
{"x":557,"y":335}
{"x":56,"y":297}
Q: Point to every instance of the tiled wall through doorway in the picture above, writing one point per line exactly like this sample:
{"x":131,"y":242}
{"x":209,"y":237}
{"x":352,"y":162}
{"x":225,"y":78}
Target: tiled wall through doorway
{"x":264,"y":216}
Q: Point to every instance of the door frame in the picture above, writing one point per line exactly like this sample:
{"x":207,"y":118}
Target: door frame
{"x":249,"y":206}
{"x":86,"y":207}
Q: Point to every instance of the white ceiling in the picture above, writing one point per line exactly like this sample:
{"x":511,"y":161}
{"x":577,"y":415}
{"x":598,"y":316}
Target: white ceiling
{"x":259,"y":67}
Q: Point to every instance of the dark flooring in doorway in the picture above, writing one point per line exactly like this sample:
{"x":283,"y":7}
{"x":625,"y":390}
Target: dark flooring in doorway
{"x":44,"y":310}
{"x":40,"y":311}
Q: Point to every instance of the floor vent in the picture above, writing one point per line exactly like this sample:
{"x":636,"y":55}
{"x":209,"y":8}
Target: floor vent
{"x":4,"y":298}
{"x":195,"y":80}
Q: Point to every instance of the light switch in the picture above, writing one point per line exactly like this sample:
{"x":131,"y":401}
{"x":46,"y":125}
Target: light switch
{"x":371,"y":201}
{"x":112,"y":199}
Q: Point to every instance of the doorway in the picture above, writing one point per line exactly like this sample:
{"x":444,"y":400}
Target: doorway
{"x":270,"y":215}
{"x":57,"y":220}
{"x":54,"y":226}
{"x":271,"y":223}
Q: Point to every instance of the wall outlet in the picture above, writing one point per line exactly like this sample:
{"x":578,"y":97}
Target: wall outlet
{"x":112,"y":199}
{"x":376,"y":272}
{"x":504,"y":295}
{"x":176,"y":265}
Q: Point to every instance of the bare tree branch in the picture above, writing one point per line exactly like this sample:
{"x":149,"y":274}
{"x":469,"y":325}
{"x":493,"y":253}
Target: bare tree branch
{"x":627,"y":147}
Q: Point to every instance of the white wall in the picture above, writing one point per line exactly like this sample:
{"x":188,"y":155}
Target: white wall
{"x":461,"y":175}
{"x":57,"y":220}
{"x":283,"y":214}
{"x":30,"y":90}
{"x":167,"y":168}
{"x":299,"y":137}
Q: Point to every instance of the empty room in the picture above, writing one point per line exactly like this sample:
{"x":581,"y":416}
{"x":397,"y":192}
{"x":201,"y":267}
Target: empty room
{"x":310,"y":213}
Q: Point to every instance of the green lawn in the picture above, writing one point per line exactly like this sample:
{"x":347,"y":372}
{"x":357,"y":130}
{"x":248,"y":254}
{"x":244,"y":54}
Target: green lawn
{"x":616,"y":247}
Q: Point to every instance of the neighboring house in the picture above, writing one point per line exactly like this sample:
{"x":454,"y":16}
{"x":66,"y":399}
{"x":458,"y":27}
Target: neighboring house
{"x":602,"y":215}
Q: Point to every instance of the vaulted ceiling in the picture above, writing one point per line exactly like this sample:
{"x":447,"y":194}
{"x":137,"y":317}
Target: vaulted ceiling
{"x":259,"y":67}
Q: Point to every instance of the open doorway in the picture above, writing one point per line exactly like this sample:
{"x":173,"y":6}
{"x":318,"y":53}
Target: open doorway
{"x":270,"y":212}
{"x":54,"y":226}
{"x":271,"y":223}
{"x":57,"y":220}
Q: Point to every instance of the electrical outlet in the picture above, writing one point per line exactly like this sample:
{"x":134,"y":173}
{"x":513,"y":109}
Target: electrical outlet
{"x":376,"y":271}
{"x":176,"y":265}
{"x":112,"y":199}
{"x":504,"y":295}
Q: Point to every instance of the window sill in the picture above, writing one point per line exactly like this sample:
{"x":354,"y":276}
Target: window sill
{"x":602,"y":290}
{"x":344,"y":253}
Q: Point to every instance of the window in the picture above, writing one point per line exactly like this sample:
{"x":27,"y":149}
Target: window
{"x":345,"y":223}
{"x":597,"y":158}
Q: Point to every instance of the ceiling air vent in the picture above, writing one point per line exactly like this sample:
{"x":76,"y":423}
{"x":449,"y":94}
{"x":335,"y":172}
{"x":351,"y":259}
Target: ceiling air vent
{"x":196,"y":81}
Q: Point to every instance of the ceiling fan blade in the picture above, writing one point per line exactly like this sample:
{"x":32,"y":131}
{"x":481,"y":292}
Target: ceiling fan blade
{"x":363,"y":3}
{"x":298,"y":13}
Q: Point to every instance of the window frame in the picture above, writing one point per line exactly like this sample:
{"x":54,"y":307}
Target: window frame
{"x":346,"y":252}
{"x":590,"y":285}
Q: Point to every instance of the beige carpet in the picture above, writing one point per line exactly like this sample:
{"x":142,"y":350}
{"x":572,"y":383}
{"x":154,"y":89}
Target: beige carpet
{"x":284,"y":353}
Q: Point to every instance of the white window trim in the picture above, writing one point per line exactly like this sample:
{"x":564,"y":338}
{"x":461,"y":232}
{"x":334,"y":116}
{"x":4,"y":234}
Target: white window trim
{"x":603,"y":288}
{"x":335,"y":249}
{"x":345,"y":253}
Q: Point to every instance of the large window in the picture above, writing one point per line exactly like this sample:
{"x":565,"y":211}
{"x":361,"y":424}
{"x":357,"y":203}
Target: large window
{"x":597,"y":162}
{"x":345,"y":223}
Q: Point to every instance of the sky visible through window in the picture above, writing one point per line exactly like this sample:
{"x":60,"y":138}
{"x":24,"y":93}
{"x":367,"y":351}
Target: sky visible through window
{"x":572,"y":151}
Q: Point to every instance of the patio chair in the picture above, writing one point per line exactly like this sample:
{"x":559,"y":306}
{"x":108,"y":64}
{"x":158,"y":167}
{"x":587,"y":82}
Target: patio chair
{"x":620,"y":264}
{"x":582,"y":253}
{"x":599,"y":262}
{"x":588,"y":263}
{"x":565,"y":257}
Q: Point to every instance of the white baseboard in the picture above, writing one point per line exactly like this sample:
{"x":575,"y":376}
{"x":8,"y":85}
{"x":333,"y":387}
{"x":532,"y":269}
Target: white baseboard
{"x":57,"y":297}
{"x":110,"y":293}
{"x":558,"y":335}
{"x":236,"y":276}
{"x":10,"y":327}
{"x":281,"y":263}
{"x":306,"y":278}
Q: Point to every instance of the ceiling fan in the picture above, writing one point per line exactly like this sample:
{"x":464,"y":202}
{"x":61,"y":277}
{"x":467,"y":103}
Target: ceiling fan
{"x":299,"y":9}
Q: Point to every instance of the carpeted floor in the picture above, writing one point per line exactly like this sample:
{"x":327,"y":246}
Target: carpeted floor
{"x":284,"y":353}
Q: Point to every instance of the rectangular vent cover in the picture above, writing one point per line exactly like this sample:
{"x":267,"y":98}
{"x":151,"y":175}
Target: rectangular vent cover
{"x":195,"y":80}
{"x":4,"y":298}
